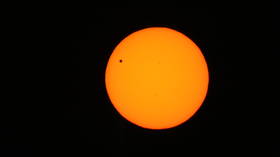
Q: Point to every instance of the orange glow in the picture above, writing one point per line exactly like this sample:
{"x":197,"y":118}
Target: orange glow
{"x":157,"y":78}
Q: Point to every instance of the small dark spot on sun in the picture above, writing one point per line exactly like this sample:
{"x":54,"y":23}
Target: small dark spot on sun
{"x":121,"y":60}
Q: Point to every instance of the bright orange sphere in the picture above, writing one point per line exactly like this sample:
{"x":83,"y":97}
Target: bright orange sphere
{"x":157,"y":78}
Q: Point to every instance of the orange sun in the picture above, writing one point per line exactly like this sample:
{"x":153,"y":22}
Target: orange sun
{"x":157,"y":78}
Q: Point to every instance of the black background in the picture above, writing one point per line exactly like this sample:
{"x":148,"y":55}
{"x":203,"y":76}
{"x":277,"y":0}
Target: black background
{"x":68,"y":111}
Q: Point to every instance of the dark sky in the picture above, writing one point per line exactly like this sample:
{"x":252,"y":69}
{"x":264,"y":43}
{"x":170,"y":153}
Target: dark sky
{"x":71,"y":113}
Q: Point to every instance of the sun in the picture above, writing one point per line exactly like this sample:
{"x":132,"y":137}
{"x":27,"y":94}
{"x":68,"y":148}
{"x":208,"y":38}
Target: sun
{"x":157,"y":78}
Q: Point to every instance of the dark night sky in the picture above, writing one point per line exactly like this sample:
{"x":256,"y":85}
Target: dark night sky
{"x":74,"y":116}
